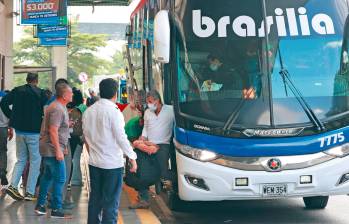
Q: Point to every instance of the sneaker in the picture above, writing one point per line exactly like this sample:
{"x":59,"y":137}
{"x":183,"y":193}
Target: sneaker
{"x":140,"y":205}
{"x":60,"y":214}
{"x":29,"y":197}
{"x":69,"y":187}
{"x":13,"y":193}
{"x":40,"y":210}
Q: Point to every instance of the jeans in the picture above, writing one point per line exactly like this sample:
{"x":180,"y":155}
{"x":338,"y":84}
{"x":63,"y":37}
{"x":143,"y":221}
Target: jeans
{"x":162,"y":156}
{"x":3,"y":149}
{"x":76,"y":176}
{"x":54,"y":173}
{"x":27,"y":148}
{"x":106,"y":187}
{"x":68,"y":164}
{"x":75,"y":144}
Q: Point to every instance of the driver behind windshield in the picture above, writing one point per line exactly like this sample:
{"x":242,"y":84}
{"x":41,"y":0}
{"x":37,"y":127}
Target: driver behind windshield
{"x":216,"y":75}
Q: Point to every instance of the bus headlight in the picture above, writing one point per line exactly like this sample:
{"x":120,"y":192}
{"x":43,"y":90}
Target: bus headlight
{"x":197,"y":154}
{"x":339,"y":151}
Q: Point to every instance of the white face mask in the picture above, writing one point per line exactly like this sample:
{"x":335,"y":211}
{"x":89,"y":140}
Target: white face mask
{"x":214,"y":67}
{"x":152,"y":107}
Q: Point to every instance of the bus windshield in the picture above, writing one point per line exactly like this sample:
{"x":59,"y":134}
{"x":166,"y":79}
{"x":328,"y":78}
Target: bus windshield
{"x":229,"y":60}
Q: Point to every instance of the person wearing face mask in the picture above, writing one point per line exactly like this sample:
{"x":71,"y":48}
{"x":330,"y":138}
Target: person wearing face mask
{"x":158,"y":127}
{"x":216,"y":75}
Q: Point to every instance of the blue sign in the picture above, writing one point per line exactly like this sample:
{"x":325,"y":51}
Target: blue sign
{"x":51,"y":31}
{"x":53,"y":41}
{"x":50,"y":12}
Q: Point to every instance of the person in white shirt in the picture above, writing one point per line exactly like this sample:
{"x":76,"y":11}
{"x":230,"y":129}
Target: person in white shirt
{"x":6,"y":133}
{"x":158,"y":128}
{"x":106,"y":142}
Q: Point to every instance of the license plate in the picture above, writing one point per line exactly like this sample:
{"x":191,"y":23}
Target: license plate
{"x":274,"y":190}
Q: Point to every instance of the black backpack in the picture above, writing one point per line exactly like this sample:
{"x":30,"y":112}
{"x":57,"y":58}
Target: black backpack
{"x":148,"y":171}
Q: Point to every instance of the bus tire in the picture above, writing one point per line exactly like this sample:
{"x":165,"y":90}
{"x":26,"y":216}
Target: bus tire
{"x":318,"y":202}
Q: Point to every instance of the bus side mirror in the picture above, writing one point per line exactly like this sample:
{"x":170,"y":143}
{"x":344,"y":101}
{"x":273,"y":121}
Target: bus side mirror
{"x":162,"y":37}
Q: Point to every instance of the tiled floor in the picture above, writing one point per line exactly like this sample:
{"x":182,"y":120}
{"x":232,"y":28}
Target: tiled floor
{"x":22,"y":212}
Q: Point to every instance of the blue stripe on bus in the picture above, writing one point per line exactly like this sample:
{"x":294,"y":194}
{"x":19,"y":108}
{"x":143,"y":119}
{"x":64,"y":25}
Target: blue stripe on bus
{"x":258,"y":147}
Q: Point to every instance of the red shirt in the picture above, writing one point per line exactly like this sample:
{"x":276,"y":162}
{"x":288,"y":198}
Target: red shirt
{"x":121,"y":106}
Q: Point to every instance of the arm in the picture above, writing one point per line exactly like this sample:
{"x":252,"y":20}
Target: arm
{"x":144,"y":135}
{"x":10,"y":133}
{"x":53,"y":131}
{"x":118,"y":130}
{"x":146,"y":146}
{"x":117,"y":126}
{"x":84,"y":131}
{"x":55,"y":118}
{"x":87,"y":146}
{"x":5,"y":103}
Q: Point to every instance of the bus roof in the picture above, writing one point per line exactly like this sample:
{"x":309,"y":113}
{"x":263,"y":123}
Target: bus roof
{"x":139,"y":6}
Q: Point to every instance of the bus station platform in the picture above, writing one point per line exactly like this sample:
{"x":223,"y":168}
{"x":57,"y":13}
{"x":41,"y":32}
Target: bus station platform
{"x":22,"y":212}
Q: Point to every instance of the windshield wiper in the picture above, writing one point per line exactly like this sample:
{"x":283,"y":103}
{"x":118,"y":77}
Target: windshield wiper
{"x":285,"y":75}
{"x":233,"y":116}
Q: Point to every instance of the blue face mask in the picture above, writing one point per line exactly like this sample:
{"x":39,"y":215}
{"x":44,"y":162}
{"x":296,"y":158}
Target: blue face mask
{"x":214,"y":67}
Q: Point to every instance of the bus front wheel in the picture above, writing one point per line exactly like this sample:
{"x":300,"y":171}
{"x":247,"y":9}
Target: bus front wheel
{"x":318,"y":202}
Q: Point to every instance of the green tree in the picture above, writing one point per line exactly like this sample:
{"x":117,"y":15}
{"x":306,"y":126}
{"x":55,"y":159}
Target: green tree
{"x":118,"y":62}
{"x":82,"y":51}
{"x":82,"y":55}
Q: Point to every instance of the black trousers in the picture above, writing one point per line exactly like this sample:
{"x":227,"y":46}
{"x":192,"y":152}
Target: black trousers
{"x":3,"y":149}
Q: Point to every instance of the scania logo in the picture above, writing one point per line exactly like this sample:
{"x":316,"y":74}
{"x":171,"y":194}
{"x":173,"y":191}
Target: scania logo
{"x":274,"y":164}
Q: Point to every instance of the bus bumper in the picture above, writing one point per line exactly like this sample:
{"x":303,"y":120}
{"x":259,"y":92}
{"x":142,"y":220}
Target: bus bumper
{"x":217,"y":183}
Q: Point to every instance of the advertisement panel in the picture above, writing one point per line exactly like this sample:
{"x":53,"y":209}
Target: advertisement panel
{"x":49,"y":12}
{"x":53,"y":41}
{"x":51,"y":31}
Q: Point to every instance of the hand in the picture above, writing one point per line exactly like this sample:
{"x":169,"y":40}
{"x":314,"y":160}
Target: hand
{"x":249,"y":93}
{"x":10,"y":133}
{"x":152,"y":150}
{"x":59,"y":155}
{"x":71,"y":123}
{"x":133,"y":168}
{"x":142,"y":138}
{"x":65,"y":152}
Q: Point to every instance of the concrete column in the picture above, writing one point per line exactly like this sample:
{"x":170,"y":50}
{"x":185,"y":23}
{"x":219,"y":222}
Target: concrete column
{"x":6,"y":40}
{"x":60,"y":62}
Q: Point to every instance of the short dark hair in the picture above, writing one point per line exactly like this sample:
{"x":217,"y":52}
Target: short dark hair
{"x":60,"y":81}
{"x":32,"y":77}
{"x":108,"y":88}
{"x":60,"y":90}
{"x":77,"y":97}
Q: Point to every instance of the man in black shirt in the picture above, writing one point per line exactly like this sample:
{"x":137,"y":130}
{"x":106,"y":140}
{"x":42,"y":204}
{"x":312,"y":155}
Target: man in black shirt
{"x":25,"y":117}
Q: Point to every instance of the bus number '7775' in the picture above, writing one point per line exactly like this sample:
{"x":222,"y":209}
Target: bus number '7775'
{"x":332,"y":139}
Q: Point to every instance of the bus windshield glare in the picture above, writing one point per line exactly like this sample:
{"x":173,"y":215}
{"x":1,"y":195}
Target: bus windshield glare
{"x":230,"y":59}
